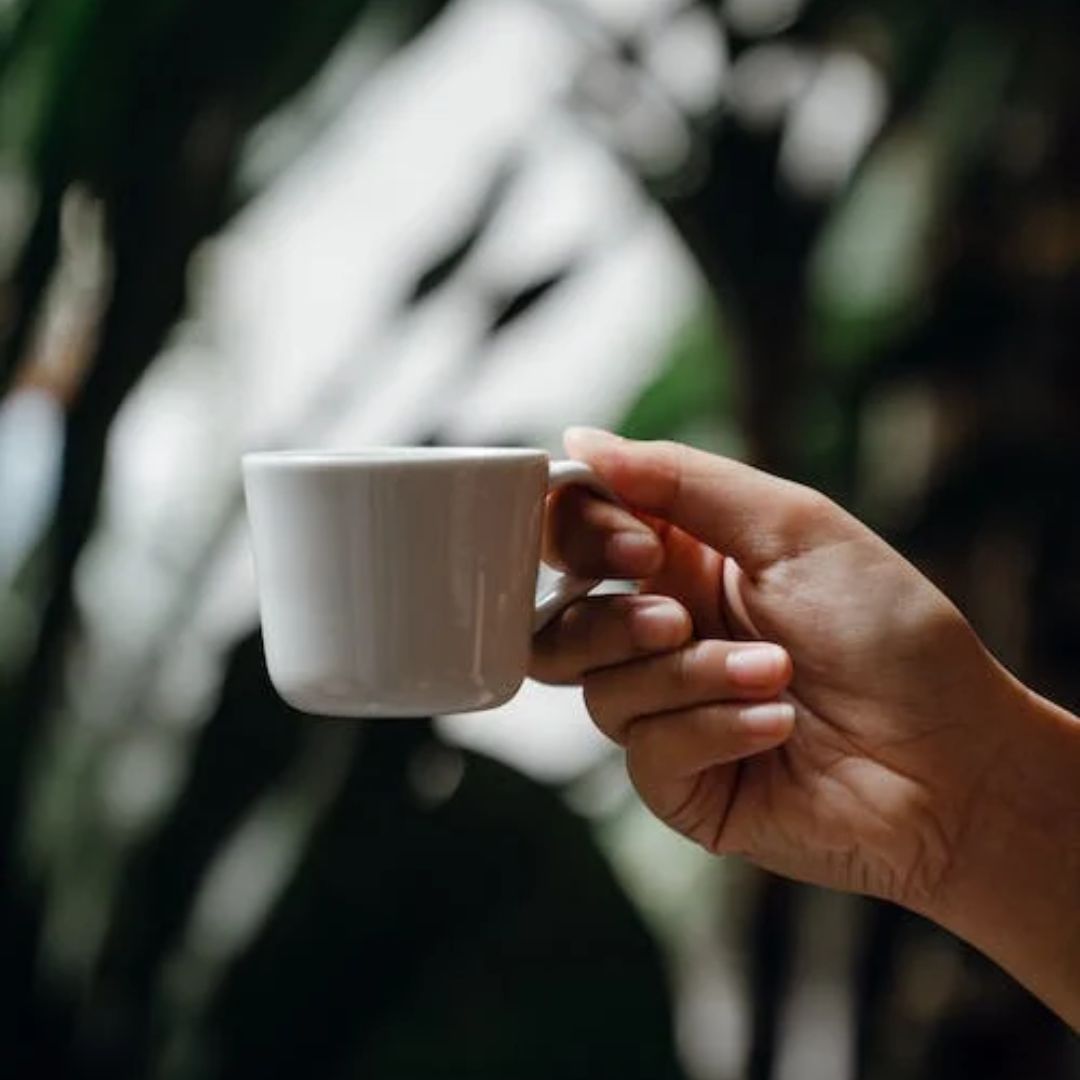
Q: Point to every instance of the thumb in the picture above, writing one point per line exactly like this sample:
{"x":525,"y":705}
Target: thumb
{"x":736,"y":509}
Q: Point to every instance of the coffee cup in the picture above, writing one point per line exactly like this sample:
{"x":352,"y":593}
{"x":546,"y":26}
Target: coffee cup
{"x":401,"y":581}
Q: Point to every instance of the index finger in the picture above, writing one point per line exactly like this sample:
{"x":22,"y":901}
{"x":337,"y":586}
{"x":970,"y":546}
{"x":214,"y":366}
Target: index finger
{"x":734,"y":508}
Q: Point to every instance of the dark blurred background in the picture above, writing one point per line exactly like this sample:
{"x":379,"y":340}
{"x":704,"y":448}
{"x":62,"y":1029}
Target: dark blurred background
{"x":840,"y":238}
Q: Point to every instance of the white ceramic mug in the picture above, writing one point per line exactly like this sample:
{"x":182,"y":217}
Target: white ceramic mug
{"x":402,"y":581}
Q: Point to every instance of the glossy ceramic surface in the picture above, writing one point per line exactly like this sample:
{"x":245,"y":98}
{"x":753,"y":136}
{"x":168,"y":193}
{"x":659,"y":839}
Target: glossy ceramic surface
{"x":397,"y":582}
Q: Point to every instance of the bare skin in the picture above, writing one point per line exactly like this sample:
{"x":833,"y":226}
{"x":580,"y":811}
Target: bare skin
{"x":788,"y":688}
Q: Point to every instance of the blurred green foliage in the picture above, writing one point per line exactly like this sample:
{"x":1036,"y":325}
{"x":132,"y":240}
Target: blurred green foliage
{"x":903,"y":334}
{"x":908,"y":341}
{"x":690,"y":394}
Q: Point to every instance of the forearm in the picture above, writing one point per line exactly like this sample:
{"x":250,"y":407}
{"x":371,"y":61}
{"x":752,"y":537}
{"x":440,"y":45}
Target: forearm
{"x":1014,"y":890}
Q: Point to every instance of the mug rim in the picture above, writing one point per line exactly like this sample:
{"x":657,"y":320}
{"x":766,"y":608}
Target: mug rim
{"x":392,"y":455}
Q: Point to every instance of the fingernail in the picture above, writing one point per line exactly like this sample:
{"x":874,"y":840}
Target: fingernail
{"x":756,"y":665}
{"x":767,"y":721}
{"x":657,"y":624}
{"x":635,"y":553}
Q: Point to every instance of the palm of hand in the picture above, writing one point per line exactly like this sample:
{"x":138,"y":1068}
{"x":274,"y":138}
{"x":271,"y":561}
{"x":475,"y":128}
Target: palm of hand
{"x":852,"y":799}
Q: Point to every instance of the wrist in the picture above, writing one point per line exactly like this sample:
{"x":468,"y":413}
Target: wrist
{"x":1013,"y":886}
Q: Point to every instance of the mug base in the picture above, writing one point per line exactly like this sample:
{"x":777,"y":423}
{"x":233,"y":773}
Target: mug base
{"x":358,"y":702}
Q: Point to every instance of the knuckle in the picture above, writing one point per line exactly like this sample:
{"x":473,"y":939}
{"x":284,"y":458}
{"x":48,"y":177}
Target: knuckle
{"x":668,"y":457}
{"x":809,"y":509}
{"x":697,"y":667}
{"x":684,"y":667}
{"x":597,"y":629}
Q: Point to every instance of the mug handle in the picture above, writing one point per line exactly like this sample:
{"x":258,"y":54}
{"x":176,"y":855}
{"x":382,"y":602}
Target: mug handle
{"x":566,"y":588}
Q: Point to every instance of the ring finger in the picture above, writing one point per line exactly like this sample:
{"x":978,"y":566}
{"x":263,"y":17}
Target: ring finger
{"x":700,"y":673}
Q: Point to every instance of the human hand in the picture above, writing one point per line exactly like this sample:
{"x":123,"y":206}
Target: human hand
{"x":789,"y":688}
{"x":850,"y":752}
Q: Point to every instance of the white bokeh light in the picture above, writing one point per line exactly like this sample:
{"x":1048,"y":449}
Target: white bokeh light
{"x":832,"y":124}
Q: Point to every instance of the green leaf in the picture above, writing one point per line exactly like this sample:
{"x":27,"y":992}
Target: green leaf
{"x":693,"y":389}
